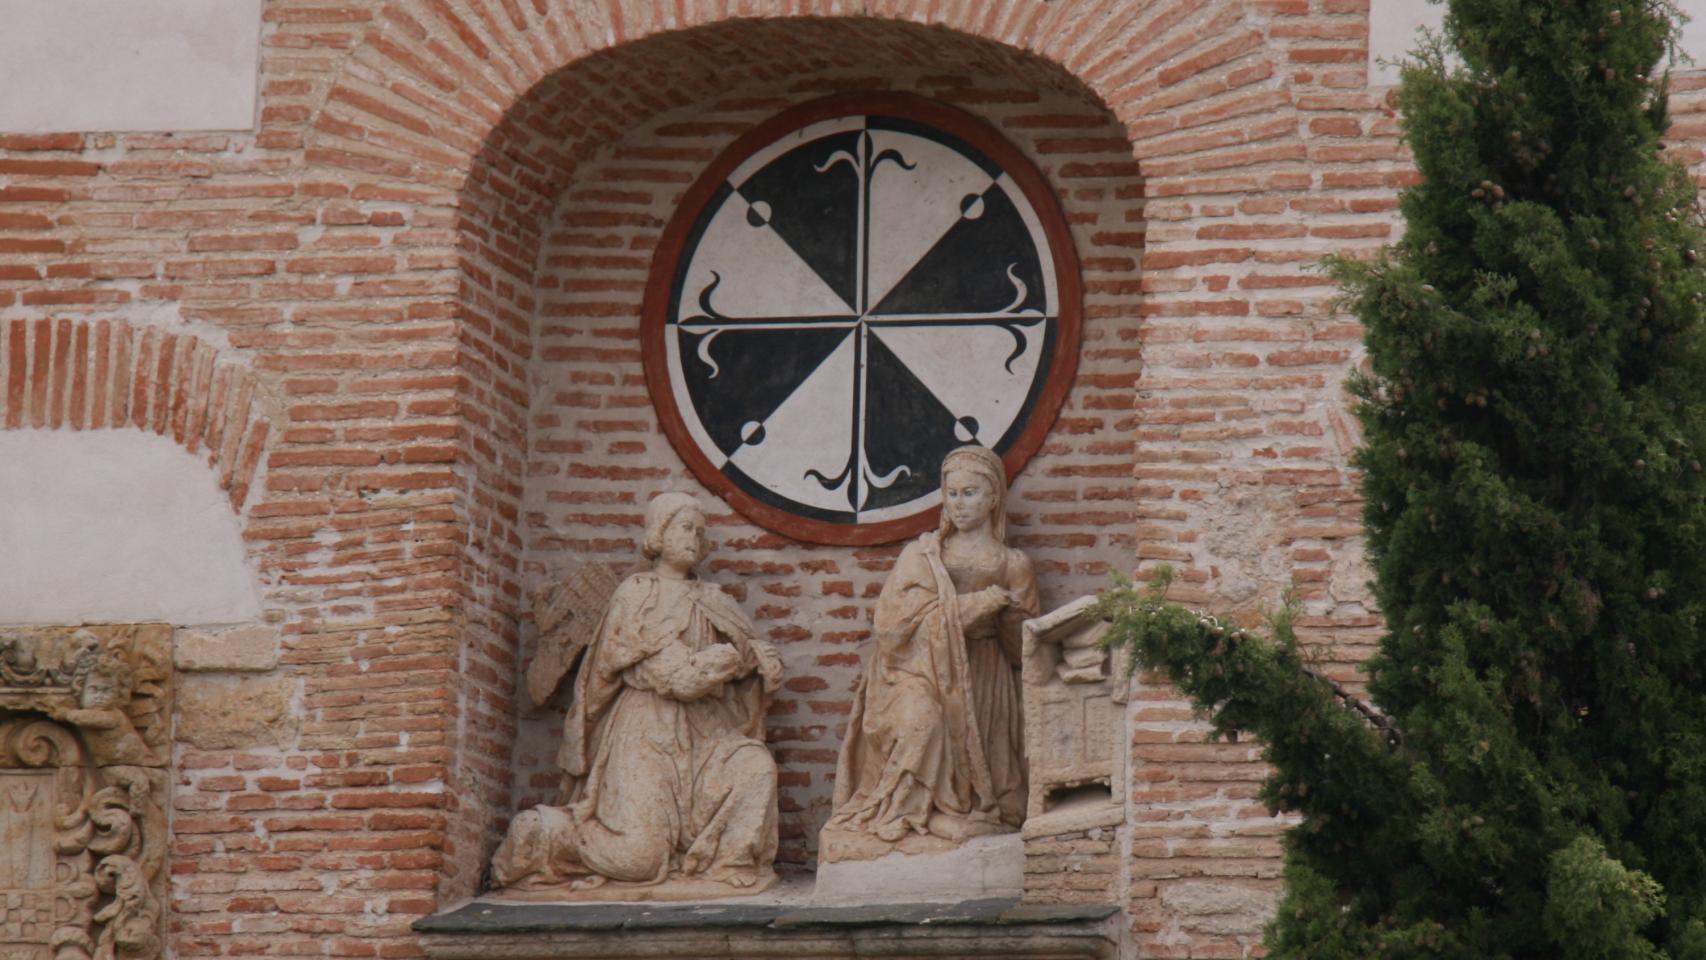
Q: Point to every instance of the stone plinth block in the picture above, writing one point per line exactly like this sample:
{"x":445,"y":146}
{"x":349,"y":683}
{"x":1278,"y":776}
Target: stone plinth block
{"x":1075,"y":735}
{"x":1074,"y":721}
{"x":224,"y":713}
{"x":981,"y":868}
{"x":247,"y":648}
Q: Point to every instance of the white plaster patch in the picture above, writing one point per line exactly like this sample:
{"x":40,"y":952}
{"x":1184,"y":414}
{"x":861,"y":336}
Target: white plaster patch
{"x":128,"y":65}
{"x":1393,"y":26}
{"x":116,"y":526}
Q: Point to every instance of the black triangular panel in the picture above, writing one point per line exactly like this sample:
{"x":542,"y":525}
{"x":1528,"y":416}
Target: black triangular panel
{"x":756,"y":370}
{"x":906,"y":426}
{"x":966,"y":271}
{"x":816,"y":213}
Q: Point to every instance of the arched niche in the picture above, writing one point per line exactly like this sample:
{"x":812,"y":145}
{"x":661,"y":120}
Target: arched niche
{"x":559,"y":220}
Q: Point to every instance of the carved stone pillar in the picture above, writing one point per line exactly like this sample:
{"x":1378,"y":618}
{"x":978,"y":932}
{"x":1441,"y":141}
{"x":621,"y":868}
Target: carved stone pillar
{"x":84,"y":746}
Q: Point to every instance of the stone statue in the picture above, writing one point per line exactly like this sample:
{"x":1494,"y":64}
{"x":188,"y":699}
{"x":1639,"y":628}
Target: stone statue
{"x":934,"y":748}
{"x":670,"y":790}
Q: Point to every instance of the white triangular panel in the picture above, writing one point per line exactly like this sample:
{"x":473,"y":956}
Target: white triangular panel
{"x":761,"y":276}
{"x":965,"y":367}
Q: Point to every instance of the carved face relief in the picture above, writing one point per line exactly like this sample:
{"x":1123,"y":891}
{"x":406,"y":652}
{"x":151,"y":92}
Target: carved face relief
{"x":684,"y":539}
{"x":968,"y":499}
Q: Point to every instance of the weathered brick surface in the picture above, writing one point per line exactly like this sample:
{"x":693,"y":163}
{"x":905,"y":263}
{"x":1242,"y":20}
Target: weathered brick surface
{"x":1074,"y":868}
{"x":398,"y":318}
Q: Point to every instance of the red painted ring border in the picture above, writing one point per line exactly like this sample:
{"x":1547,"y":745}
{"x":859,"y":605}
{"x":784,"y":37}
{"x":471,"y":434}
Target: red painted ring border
{"x":654,"y":310}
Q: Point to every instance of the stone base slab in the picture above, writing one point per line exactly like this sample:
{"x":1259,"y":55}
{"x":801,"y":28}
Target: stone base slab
{"x":615,"y":891}
{"x":489,"y":930}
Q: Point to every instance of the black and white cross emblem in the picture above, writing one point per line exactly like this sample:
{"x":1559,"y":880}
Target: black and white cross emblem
{"x":855,"y":297}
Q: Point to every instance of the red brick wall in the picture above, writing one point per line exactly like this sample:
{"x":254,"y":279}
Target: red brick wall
{"x":407,"y":257}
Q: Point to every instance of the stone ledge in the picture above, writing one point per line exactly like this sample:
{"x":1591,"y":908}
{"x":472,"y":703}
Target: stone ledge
{"x":491,"y":930}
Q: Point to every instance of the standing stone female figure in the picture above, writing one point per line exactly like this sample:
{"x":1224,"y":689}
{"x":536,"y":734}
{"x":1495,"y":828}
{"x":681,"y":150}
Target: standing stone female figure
{"x":670,"y":785}
{"x":933,"y":754}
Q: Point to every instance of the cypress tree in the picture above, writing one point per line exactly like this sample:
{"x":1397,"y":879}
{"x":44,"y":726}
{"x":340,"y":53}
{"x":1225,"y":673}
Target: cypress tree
{"x":1529,"y":779}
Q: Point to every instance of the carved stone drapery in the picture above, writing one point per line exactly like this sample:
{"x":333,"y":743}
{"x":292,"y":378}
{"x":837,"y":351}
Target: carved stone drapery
{"x":84,"y":746}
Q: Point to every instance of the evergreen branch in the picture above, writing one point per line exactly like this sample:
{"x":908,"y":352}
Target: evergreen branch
{"x":1374,"y":718}
{"x":1143,"y":619}
{"x":1334,"y":759}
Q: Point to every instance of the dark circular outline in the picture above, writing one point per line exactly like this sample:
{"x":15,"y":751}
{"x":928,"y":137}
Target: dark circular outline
{"x":654,"y":311}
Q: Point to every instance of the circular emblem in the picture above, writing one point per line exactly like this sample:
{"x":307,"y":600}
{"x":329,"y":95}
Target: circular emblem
{"x":854,"y":288}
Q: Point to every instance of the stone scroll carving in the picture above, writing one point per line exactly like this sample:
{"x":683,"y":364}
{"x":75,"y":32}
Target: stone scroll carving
{"x":84,"y":745}
{"x":669,"y":791}
{"x":934,"y":753}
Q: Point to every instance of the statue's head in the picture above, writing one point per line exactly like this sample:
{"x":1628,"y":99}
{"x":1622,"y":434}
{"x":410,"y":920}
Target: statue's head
{"x":675,"y":526}
{"x":974,"y":490}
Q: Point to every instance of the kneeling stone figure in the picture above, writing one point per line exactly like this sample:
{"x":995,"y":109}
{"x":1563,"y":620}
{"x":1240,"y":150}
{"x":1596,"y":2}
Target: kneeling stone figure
{"x":934,"y":753}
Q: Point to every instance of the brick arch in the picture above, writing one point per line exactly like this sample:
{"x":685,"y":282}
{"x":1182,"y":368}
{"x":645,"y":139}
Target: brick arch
{"x":109,"y":375}
{"x":431,"y":89}
{"x":485,"y":111}
{"x":487,"y":108}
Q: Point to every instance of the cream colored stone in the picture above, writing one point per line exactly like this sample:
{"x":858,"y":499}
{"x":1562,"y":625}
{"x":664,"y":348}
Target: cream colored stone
{"x":934,"y":753}
{"x":218,"y":713}
{"x":248,"y":648}
{"x":1218,"y":908}
{"x":108,"y":65}
{"x":980,"y":868}
{"x":1093,"y":814}
{"x":670,"y":791}
{"x":116,"y":526}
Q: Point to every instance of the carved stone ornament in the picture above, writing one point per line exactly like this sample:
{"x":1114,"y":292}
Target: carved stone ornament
{"x":84,"y":745}
{"x":669,"y":792}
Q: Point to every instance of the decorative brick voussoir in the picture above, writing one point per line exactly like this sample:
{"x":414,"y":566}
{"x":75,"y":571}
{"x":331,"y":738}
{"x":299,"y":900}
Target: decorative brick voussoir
{"x":107,"y":374}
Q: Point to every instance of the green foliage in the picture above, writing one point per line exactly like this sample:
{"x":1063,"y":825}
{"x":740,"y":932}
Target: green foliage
{"x":1598,"y":906}
{"x":1534,"y":422}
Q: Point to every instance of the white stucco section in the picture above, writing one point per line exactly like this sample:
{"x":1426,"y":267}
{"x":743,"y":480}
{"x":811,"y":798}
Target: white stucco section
{"x":128,"y":65}
{"x":1392,"y":26}
{"x":116,"y":526}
